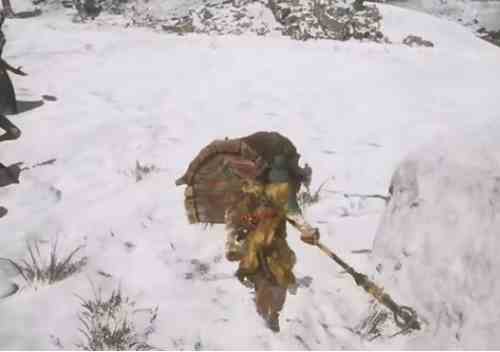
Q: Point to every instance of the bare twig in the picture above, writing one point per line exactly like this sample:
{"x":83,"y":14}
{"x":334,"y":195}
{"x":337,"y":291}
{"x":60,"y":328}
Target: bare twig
{"x":359,"y":195}
{"x":361,"y":251}
{"x":306,"y":198}
{"x":43,"y":163}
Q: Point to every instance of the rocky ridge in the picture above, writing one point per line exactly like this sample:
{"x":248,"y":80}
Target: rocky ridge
{"x":298,"y":19}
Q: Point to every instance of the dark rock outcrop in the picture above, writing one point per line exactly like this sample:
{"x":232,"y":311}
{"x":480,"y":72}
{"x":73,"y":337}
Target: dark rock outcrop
{"x":306,"y":19}
{"x":414,"y":40}
{"x":491,"y":36}
{"x":298,"y":19}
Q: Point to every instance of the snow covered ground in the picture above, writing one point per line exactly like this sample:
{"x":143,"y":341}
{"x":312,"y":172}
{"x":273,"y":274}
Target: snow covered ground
{"x":487,"y":12}
{"x":125,"y":95}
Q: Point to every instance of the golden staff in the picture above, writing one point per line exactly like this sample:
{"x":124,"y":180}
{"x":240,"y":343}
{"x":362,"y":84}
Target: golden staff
{"x":405,"y":317}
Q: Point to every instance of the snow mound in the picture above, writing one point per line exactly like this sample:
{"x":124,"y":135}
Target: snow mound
{"x":437,"y":244}
{"x":461,"y":11}
{"x":398,"y":22}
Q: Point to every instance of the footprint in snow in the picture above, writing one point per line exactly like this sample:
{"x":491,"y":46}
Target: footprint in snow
{"x":328,"y":152}
{"x":199,"y":270}
{"x":173,"y":140}
{"x":129,"y":246}
{"x":48,"y":97}
{"x":304,"y":282}
{"x":302,"y":342}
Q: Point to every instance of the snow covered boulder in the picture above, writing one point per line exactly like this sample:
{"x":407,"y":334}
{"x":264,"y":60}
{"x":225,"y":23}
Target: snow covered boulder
{"x":438,"y":244}
{"x":215,"y":17}
{"x":327,"y":19}
{"x":179,"y":25}
{"x":298,"y":19}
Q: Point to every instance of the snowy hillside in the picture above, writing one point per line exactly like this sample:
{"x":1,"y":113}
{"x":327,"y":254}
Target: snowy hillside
{"x":128,"y":95}
{"x":485,"y":12}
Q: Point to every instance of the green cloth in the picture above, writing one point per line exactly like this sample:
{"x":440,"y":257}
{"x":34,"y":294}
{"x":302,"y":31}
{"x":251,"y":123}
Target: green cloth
{"x":279,"y":170}
{"x":293,"y":205}
{"x":279,"y":174}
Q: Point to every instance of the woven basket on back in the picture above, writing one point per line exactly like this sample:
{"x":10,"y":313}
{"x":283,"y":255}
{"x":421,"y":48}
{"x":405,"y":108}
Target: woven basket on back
{"x":214,"y":179}
{"x":215,"y":175}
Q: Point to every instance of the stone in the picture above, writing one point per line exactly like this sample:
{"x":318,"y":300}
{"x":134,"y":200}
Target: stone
{"x":413,"y":40}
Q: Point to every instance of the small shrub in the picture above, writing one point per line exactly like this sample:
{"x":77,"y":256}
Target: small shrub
{"x":306,"y":198}
{"x":38,"y":269}
{"x":107,"y":324}
{"x":142,"y":170}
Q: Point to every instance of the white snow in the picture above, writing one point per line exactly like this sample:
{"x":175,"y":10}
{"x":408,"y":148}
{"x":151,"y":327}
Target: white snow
{"x":487,"y":12}
{"x":438,"y":240}
{"x":354,"y":110}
